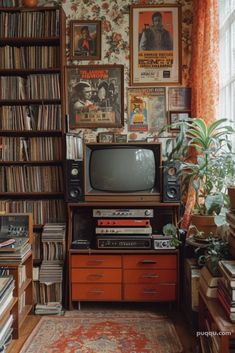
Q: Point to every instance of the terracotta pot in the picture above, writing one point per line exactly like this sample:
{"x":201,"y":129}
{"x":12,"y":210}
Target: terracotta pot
{"x":204,"y":224}
{"x":231,"y":194}
{"x":30,"y":3}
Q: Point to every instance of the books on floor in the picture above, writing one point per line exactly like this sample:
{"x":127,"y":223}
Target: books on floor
{"x":52,"y":308}
{"x":208,"y":283}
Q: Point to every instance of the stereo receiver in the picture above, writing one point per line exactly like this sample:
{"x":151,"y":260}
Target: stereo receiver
{"x":124,"y":242}
{"x":124,"y":222}
{"x":130,"y":230}
{"x":123,"y":213}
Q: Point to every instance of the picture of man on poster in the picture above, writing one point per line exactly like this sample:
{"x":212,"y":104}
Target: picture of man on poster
{"x":155,"y":37}
{"x":86,"y":45}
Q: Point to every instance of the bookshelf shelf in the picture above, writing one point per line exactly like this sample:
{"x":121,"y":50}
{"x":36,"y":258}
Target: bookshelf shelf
{"x":42,"y":101}
{"x":32,"y":194}
{"x":30,"y":41}
{"x":54,"y":162}
{"x":31,"y":133}
{"x":24,"y":314}
{"x":27,"y":72}
{"x":14,"y":307}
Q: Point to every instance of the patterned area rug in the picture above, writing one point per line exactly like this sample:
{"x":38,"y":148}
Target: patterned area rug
{"x":109,"y":333}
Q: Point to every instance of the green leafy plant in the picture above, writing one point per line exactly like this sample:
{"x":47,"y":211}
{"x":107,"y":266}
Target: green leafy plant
{"x":170,"y":230}
{"x":216,"y":251}
{"x":203,"y":152}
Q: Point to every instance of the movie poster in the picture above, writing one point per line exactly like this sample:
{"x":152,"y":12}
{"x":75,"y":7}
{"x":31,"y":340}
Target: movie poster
{"x":155,"y":54}
{"x":95,"y":96}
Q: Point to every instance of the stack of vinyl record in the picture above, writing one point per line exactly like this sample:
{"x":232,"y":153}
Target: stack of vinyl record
{"x":7,"y":285}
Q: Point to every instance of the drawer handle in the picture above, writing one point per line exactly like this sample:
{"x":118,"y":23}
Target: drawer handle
{"x":144,"y":262}
{"x":150,"y":291}
{"x":151,"y":276}
{"x":96,"y":260}
{"x":96,"y":291}
{"x":96,"y":275}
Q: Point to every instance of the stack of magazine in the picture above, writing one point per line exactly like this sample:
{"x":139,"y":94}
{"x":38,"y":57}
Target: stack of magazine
{"x":51,"y":270}
{"x":16,"y":251}
{"x":7,"y":285}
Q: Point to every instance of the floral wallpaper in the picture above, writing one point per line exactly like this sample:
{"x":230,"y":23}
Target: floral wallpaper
{"x":115,"y":35}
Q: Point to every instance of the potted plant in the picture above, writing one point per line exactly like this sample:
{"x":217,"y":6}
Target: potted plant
{"x":216,"y":251}
{"x":203,"y":151}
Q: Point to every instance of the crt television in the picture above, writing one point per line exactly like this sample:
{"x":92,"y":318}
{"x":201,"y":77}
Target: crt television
{"x":122,"y":172}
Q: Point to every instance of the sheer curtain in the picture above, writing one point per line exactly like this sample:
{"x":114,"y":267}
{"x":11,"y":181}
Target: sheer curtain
{"x":204,"y":71}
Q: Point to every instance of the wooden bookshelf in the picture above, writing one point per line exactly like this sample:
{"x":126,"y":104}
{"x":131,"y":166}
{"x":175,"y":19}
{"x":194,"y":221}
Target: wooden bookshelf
{"x":32,"y":50}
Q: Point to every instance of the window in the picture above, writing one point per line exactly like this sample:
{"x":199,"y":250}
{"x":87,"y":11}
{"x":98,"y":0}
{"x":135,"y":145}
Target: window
{"x":227,"y":59}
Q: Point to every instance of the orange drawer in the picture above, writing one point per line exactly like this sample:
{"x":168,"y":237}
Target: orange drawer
{"x":162,"y":292}
{"x":96,"y":292}
{"x":150,"y":261}
{"x":150,"y":276}
{"x":96,"y":261}
{"x":98,"y":275}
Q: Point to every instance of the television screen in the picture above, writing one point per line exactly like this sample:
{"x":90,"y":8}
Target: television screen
{"x":122,"y":169}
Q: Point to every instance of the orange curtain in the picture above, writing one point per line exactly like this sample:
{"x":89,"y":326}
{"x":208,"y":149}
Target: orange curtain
{"x":204,"y":71}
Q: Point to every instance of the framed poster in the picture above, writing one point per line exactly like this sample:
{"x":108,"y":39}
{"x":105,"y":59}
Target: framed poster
{"x":85,"y":40}
{"x":94,"y":96}
{"x":155,"y":44}
{"x":179,"y":98}
{"x":146,"y":109}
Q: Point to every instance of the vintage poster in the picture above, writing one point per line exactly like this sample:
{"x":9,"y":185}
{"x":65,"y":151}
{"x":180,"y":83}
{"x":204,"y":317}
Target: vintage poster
{"x":95,"y":96}
{"x":146,"y":109}
{"x":155,"y":40}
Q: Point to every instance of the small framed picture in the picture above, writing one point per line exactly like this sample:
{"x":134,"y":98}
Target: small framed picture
{"x":105,"y":137}
{"x":178,"y":117}
{"x":85,"y":40}
{"x":119,"y":138}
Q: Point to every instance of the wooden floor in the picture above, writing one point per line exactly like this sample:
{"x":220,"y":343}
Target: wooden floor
{"x":186,"y":336}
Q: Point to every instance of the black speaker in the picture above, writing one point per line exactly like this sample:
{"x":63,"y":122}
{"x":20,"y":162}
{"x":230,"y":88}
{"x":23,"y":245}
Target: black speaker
{"x":74,"y":181}
{"x":171,"y":183}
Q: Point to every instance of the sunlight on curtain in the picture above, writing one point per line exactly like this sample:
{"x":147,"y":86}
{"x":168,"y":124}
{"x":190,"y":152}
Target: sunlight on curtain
{"x":205,"y":72}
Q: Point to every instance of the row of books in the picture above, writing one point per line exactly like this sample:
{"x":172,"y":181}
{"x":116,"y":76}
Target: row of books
{"x":36,"y":246}
{"x":31,"y":179}
{"x":53,"y":242}
{"x":230,"y":218}
{"x":30,"y":149}
{"x":9,"y":3}
{"x":43,"y":210}
{"x":36,"y":117}
{"x":7,"y":285}
{"x":74,"y":147}
{"x":30,"y":24}
{"x":46,"y":293}
{"x":226,"y":287}
{"x":33,"y":57}
{"x":32,"y":87}
{"x":50,"y":274}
